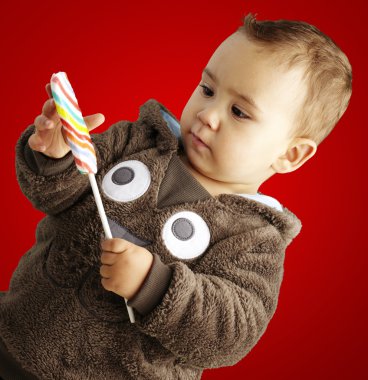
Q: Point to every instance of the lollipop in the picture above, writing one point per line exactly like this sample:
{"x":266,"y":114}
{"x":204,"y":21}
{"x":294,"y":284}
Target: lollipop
{"x":75,"y":128}
{"x":79,"y":140}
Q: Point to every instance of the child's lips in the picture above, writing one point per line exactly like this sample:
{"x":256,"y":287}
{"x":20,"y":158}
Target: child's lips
{"x":197,"y":141}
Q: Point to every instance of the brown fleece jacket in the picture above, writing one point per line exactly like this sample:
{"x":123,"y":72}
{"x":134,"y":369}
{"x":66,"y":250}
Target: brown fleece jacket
{"x":208,"y":298}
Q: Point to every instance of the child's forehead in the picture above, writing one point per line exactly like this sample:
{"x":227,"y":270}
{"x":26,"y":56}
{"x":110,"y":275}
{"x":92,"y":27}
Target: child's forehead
{"x":238,"y":48}
{"x":242,"y":61}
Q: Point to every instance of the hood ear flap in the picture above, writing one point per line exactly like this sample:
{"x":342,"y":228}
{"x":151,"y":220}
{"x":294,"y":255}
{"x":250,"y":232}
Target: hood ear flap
{"x":150,"y":113}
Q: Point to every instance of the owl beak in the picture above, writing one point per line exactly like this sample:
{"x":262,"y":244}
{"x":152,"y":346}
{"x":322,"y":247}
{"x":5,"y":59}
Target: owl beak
{"x":121,"y":232}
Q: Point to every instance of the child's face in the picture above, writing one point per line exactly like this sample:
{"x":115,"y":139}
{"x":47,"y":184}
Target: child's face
{"x":242,"y":140}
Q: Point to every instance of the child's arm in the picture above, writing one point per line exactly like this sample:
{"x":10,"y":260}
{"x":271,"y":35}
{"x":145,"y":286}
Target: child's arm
{"x":212,"y":316}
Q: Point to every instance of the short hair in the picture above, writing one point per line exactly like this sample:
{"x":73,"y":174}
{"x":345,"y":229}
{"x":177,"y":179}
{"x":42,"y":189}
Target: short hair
{"x":327,"y":70}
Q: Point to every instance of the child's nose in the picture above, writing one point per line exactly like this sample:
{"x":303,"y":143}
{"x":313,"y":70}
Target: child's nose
{"x":209,"y":117}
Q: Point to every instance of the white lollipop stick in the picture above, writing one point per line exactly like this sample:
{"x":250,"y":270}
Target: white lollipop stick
{"x":106,"y":227}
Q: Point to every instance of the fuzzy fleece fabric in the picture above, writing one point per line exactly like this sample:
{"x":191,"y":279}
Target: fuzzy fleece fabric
{"x":208,"y":298}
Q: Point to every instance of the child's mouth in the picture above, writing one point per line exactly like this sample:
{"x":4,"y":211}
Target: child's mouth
{"x":197,"y":141}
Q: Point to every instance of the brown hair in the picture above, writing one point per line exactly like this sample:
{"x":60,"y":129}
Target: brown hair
{"x":327,"y":70}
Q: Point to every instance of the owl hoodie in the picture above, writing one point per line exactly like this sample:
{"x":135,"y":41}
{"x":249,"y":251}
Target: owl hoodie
{"x":207,"y":299}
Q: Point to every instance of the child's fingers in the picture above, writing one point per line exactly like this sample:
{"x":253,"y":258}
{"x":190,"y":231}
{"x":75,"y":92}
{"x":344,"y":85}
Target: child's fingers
{"x":114,"y":245}
{"x":36,"y":142}
{"x":108,"y":258}
{"x":49,"y":108}
{"x":42,"y":122}
{"x":105,"y":271}
{"x":48,"y":90}
{"x":49,"y":111}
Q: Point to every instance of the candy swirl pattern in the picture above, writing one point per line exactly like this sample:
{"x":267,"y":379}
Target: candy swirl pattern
{"x":76,"y":131}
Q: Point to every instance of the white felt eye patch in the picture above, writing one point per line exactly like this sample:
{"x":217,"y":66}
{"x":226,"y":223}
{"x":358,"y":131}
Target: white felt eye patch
{"x":126,"y":181}
{"x":186,"y":235}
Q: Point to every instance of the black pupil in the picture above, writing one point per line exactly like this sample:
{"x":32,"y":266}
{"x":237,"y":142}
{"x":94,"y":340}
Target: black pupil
{"x":183,"y":229}
{"x":122,"y":176}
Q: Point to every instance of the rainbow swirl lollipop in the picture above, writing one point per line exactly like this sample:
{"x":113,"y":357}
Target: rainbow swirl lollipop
{"x":75,"y":128}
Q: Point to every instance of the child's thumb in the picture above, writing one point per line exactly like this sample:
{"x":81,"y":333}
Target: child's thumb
{"x":94,"y":121}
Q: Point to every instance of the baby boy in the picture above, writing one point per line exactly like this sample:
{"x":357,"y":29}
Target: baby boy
{"x":198,"y":251}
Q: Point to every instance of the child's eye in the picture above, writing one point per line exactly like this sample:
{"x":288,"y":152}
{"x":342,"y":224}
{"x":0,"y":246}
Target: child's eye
{"x":239,"y":113}
{"x":206,"y":90}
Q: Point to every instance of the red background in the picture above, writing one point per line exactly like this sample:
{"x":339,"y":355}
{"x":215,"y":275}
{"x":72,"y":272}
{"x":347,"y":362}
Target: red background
{"x":118,"y":55}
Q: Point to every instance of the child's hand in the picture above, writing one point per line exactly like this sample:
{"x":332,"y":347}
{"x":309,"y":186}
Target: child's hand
{"x":49,"y":136}
{"x":125,"y":266}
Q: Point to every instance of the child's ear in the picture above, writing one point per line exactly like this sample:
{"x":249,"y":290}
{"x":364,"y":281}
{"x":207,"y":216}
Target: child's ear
{"x":298,"y":152}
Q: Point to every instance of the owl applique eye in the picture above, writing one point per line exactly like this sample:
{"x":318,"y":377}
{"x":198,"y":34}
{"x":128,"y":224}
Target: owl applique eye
{"x":126,"y":181}
{"x":186,"y":235}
